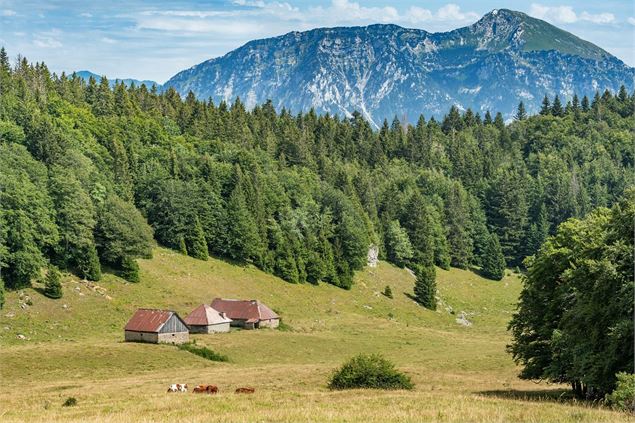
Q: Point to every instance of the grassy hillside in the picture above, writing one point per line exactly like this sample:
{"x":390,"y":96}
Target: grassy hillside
{"x":74,"y":348}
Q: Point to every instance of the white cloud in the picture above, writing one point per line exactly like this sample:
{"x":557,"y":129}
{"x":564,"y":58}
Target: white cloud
{"x":255,"y":18}
{"x":600,"y":18}
{"x":8,"y":12}
{"x":560,"y":14}
{"x":631,"y":20}
{"x":566,"y":15}
{"x":47,"y":42}
{"x":86,"y":15}
{"x":108,"y":40}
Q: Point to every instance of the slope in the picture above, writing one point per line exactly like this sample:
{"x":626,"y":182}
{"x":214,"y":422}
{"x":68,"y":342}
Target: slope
{"x":74,"y":348}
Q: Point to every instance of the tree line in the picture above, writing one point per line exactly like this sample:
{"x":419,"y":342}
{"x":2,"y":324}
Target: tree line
{"x":91,"y":175}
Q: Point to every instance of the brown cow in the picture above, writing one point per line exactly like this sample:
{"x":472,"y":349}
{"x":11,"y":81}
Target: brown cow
{"x":206,"y":389}
{"x":247,"y":390}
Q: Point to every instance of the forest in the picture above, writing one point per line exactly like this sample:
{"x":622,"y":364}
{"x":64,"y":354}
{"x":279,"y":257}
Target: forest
{"x":91,"y":176}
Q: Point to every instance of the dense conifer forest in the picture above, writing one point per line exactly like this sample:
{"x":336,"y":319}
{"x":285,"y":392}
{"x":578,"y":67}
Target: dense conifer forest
{"x":91,"y":176}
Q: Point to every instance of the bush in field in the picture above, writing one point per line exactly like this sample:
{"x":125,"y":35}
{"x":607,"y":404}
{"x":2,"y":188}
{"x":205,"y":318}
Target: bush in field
{"x":70,"y":402}
{"x":52,"y":284}
{"x":369,"y":371}
{"x":387,"y":292}
{"x":129,"y":269}
{"x":203,"y":352}
{"x":623,"y":396}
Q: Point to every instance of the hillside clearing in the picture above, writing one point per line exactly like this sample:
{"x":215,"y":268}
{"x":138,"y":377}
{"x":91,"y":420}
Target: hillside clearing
{"x":75,"y":348}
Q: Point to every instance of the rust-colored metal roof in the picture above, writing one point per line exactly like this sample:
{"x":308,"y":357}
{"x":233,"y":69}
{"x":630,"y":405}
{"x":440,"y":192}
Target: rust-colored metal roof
{"x":205,"y":315}
{"x":148,"y":320}
{"x":244,"y":309}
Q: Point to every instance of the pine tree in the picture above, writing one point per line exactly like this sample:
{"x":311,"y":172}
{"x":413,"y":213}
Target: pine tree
{"x":129,"y":269}
{"x":182,"y":246}
{"x":195,"y":241}
{"x":521,"y":113}
{"x":556,"y":108}
{"x":585,"y":104}
{"x":52,"y":283}
{"x":388,"y":292}
{"x":88,"y":263}
{"x":425,"y":289}
{"x":493,"y":260}
{"x":457,"y":219}
{"x":487,"y":120}
{"x":242,"y":234}
{"x":546,"y":106}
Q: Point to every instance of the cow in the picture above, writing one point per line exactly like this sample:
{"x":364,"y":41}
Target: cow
{"x":247,"y":390}
{"x":205,"y":389}
{"x":178,"y":387}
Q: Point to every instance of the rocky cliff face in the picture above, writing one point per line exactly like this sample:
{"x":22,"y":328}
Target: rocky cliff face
{"x":384,"y":71}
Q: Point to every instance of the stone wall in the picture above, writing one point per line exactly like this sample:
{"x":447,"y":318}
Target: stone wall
{"x":174,"y":338}
{"x":132,"y":336}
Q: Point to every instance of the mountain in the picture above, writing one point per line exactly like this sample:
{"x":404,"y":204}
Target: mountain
{"x":384,"y":71}
{"x":85,"y":75}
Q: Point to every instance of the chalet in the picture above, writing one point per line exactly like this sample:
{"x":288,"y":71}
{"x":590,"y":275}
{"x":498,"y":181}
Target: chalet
{"x":204,"y":319}
{"x":156,"y":326}
{"x":248,"y":314}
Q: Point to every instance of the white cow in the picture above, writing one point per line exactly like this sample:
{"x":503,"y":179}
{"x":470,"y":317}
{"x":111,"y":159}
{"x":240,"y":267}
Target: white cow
{"x":178,"y":387}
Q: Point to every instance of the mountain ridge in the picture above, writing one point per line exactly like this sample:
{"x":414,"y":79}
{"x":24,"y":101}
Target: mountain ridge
{"x":385,"y":70}
{"x":86,"y":74}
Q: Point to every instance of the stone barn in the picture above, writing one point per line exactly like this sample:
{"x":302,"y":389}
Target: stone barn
{"x":156,"y":326}
{"x":247,"y":314}
{"x":204,"y":319}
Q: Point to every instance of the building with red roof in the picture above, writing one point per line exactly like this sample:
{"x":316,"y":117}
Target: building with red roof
{"x":205,"y":319}
{"x":156,"y":326}
{"x":248,"y":314}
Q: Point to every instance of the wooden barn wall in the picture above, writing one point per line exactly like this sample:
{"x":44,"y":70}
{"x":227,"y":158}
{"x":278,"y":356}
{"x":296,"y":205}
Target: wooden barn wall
{"x":173,"y":325}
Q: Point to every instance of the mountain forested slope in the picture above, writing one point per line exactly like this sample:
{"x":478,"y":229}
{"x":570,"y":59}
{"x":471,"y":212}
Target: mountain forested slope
{"x":91,"y":174}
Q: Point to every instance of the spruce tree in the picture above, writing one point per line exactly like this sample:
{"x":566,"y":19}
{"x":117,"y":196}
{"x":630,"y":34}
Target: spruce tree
{"x":129,"y":269}
{"x":242,"y":234}
{"x":425,"y":289}
{"x":487,"y":120}
{"x":457,"y":221}
{"x":388,"y":292}
{"x":546,"y":106}
{"x":521,"y":113}
{"x":493,"y":260}
{"x":195,"y":241}
{"x":52,"y":283}
{"x":556,"y":108}
{"x":585,"y":104}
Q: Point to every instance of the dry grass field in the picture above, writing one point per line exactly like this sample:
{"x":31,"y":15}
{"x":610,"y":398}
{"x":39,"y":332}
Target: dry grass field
{"x":74,"y":348}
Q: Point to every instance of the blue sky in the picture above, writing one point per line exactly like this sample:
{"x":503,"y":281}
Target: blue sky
{"x":156,"y":39}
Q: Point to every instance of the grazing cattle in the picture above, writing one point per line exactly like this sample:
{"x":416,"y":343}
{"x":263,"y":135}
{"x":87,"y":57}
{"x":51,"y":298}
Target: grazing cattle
{"x":245,"y":390}
{"x":206,"y":389}
{"x":178,"y":387}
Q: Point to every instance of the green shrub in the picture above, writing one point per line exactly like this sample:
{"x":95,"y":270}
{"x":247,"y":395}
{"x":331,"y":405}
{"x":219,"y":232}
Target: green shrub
{"x":52,"y":284}
{"x":70,"y":402}
{"x":623,"y":396}
{"x":369,"y":371}
{"x":1,"y":293}
{"x":203,"y":352}
{"x":129,"y":269}
{"x":387,"y":292}
{"x":283,"y":327}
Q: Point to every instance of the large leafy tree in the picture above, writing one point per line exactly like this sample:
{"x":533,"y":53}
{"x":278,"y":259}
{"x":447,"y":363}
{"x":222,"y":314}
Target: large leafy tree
{"x":574,"y":321}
